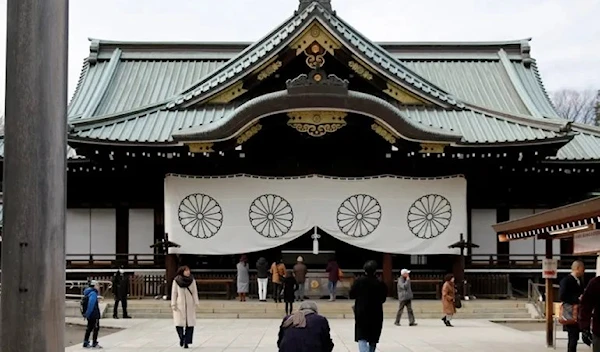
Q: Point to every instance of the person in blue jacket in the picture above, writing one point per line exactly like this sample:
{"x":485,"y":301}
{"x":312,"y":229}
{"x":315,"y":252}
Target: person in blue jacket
{"x":92,"y":314}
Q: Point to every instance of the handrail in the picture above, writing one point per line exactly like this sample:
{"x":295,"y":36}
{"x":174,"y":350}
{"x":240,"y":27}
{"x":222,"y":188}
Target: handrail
{"x":534,"y":296}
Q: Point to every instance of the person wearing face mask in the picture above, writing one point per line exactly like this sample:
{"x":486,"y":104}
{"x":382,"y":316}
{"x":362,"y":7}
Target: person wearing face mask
{"x":571,"y":289}
{"x":120,"y":289}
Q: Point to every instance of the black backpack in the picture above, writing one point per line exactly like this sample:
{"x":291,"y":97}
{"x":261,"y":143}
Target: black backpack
{"x":85,"y":300}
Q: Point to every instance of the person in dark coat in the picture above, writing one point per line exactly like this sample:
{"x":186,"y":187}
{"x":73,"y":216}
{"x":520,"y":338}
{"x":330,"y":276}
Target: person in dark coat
{"x":120,"y":289}
{"x":305,"y":331}
{"x":370,"y":294}
{"x":289,"y":292}
{"x":92,"y":315}
{"x":300,"y":272}
{"x":262,"y":277}
{"x":571,"y":289}
{"x":589,"y":314}
{"x":333,"y":271}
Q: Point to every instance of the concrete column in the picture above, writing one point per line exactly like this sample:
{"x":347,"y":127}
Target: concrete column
{"x":33,"y":248}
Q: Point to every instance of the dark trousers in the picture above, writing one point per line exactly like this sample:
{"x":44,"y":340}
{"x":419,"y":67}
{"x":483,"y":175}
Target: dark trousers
{"x":411,"y":315}
{"x":277,"y":292}
{"x":186,"y":334}
{"x":573,"y":337}
{"x":289,"y":307}
{"x":596,"y":344}
{"x":92,"y":325}
{"x":123,"y":305}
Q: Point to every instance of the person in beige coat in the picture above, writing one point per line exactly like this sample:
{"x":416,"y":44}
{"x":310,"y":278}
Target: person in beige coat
{"x":448,"y":299}
{"x":184,"y":299}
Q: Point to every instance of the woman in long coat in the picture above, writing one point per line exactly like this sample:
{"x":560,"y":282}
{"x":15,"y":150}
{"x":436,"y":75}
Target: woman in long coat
{"x":243,"y":278}
{"x":184,"y":299}
{"x":448,"y":298}
{"x":370,"y":295}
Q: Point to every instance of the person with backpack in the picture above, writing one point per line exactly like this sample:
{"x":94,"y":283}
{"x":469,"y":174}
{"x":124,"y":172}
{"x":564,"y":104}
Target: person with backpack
{"x":91,"y":311}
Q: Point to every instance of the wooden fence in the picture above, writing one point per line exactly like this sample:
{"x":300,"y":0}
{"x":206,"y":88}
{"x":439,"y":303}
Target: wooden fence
{"x":424,"y":285}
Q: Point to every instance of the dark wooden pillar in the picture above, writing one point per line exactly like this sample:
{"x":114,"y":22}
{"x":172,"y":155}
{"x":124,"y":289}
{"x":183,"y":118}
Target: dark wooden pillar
{"x":35,"y":182}
{"x":502,"y":248}
{"x":388,"y":273}
{"x":122,"y":229}
{"x":458,"y":270}
{"x":171,"y":263}
{"x":549,"y":301}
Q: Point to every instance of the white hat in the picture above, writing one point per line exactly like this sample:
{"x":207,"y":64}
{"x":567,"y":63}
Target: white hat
{"x":93,"y":283}
{"x":404,"y":271}
{"x":299,"y":259}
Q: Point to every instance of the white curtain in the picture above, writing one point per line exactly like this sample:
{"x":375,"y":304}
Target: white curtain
{"x":243,"y":214}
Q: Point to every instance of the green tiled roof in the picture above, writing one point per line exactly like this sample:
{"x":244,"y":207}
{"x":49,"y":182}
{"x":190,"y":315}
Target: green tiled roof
{"x":158,"y":126}
{"x":151,"y":127}
{"x":584,"y":147}
{"x":255,"y":55}
{"x":497,"y":81}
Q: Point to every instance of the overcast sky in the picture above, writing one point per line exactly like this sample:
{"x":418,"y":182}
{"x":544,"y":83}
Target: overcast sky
{"x":566,"y":33}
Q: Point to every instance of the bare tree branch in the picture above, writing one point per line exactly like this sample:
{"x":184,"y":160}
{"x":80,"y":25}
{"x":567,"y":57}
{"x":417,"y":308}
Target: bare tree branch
{"x":577,"y":106}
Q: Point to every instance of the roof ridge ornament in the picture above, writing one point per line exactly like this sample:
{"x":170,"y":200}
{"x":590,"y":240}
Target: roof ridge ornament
{"x":306,"y":3}
{"x":317,"y":81}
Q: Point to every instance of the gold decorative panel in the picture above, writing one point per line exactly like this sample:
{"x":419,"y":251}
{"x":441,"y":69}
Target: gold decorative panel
{"x":201,"y":147}
{"x":402,"y":95}
{"x":315,"y":33}
{"x":317,"y":123}
{"x":384,"y":133}
{"x":229,"y":94}
{"x":249,"y":133}
{"x":360,"y":70}
{"x":269,"y":70}
{"x":433,"y":148}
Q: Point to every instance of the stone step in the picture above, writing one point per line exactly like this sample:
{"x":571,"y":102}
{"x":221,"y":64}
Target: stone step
{"x":279,"y":315}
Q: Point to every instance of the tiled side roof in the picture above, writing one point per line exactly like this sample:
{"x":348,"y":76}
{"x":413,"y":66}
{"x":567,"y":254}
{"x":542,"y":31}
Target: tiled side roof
{"x":584,"y":147}
{"x":482,"y":83}
{"x":152,"y":127}
{"x":143,"y":83}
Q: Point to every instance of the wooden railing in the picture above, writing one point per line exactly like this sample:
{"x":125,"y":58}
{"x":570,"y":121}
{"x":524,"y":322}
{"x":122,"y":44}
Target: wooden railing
{"x":113,"y":261}
{"x":524,"y":261}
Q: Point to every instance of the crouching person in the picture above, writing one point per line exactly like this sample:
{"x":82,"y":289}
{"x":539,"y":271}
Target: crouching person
{"x":92,"y":314}
{"x":305,"y":331}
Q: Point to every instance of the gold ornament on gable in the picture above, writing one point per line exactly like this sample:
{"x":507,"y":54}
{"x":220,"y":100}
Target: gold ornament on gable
{"x":433,"y":148}
{"x":201,"y":147}
{"x":269,"y":70}
{"x":315,"y":33}
{"x":402,"y":95}
{"x":360,"y":70}
{"x":249,"y":133}
{"x":384,"y":133}
{"x":317,"y":123}
{"x":234,"y":91}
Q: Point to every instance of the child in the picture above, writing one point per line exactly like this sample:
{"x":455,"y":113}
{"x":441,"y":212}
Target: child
{"x":92,"y":314}
{"x":289,"y":288}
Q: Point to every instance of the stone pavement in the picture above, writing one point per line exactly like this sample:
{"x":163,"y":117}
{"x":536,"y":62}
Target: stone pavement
{"x":260,"y":335}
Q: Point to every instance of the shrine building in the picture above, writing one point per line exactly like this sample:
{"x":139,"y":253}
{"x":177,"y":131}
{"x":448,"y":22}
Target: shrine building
{"x":317,"y":141}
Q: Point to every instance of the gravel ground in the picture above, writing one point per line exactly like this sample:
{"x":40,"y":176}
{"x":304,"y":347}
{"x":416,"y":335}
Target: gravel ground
{"x":526,"y":326}
{"x":74,"y":334}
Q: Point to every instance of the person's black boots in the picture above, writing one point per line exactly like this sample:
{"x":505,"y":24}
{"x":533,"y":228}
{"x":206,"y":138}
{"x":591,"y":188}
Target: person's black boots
{"x":180,"y":334}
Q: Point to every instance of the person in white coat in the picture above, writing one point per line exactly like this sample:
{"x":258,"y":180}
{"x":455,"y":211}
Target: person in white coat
{"x":184,"y":299}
